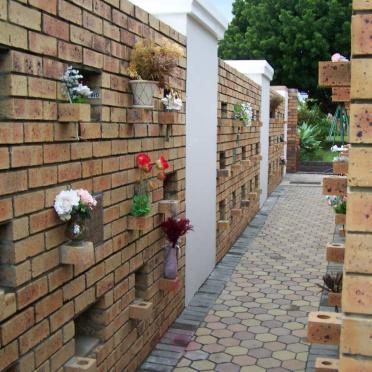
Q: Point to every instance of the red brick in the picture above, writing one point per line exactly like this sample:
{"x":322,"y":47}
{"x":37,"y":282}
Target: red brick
{"x":8,"y":355}
{"x":24,"y":16}
{"x":59,"y":276}
{"x":69,"y":172}
{"x":62,"y":316}
{"x":48,"y":305}
{"x":43,"y":220}
{"x":46,"y":349}
{"x":62,"y":356}
{"x":50,"y":6}
{"x":55,"y":27}
{"x":26,"y":248}
{"x":93,"y":23}
{"x":45,"y":262}
{"x":81,"y":150}
{"x":17,"y":325}
{"x":92,"y":58}
{"x":11,"y":182}
{"x":56,"y":153}
{"x":42,"y":88}
{"x":69,"y":12}
{"x":43,"y":44}
{"x":28,"y":203}
{"x":42,"y":176}
{"x":23,"y":156}
{"x":6,"y":209}
{"x":33,"y":336}
{"x":11,"y":133}
{"x":32,"y":292}
{"x":73,"y":288}
{"x":70,"y":52}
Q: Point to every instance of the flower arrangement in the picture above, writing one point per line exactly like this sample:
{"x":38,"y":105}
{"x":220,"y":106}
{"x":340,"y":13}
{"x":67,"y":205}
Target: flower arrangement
{"x":74,"y":206}
{"x":244,"y":113}
{"x":172,"y":100}
{"x":141,"y":203}
{"x":155,"y":62}
{"x":337,"y":57}
{"x":173,"y":228}
{"x":338,"y":203}
{"x":282,"y":160}
{"x":73,"y":88}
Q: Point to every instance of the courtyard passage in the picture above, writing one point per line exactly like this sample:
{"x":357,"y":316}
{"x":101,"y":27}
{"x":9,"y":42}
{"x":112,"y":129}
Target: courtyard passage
{"x":258,"y":321}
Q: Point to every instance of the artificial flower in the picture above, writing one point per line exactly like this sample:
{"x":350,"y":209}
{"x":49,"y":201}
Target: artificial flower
{"x":82,"y":90}
{"x":65,"y":202}
{"x":161,"y":176}
{"x":86,"y":198}
{"x":161,"y":163}
{"x":337,"y":57}
{"x":144,"y":162}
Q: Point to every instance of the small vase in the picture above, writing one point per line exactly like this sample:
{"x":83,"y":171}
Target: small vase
{"x":76,"y":229}
{"x":170,"y":264}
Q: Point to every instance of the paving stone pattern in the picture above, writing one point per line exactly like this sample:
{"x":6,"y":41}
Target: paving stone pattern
{"x":251,"y":313}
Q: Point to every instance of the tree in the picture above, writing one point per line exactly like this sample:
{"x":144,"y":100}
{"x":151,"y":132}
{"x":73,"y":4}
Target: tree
{"x":292,"y":35}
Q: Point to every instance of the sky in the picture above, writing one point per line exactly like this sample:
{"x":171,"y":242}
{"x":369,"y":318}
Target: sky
{"x":224,"y":6}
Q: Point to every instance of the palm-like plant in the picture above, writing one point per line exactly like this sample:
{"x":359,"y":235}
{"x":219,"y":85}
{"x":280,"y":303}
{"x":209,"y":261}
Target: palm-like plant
{"x":308,"y":135}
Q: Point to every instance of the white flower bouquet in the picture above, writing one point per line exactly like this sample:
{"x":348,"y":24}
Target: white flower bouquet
{"x":74,"y":202}
{"x":73,"y":88}
{"x":172,"y":101}
{"x":74,"y":206}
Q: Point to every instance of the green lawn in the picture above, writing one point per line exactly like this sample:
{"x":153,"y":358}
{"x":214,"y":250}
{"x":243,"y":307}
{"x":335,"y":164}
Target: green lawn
{"x":321,"y":155}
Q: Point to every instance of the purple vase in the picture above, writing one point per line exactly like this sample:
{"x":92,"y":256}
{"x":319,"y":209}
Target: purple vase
{"x":170,"y":264}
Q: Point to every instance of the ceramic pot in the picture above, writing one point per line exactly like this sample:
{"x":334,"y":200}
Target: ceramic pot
{"x":170,"y":263}
{"x":143,"y":93}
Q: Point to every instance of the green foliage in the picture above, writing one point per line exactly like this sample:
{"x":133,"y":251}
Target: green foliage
{"x":141,"y":205}
{"x":308,"y":141}
{"x":293,"y":35}
{"x":340,"y":208}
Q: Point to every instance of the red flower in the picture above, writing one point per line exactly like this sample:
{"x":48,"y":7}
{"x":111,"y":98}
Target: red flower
{"x":162,"y":164}
{"x":144,"y":162}
{"x":174,"y":228}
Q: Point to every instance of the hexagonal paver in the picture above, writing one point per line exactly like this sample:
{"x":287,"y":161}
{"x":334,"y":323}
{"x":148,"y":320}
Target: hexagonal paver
{"x":213,"y":348}
{"x":268,"y":362}
{"x":284,"y":355}
{"x":244,"y":360}
{"x":266,"y":337}
{"x":259,"y":353}
{"x":206,"y":340}
{"x":236,"y":350}
{"x":203,"y":365}
{"x":220,"y":358}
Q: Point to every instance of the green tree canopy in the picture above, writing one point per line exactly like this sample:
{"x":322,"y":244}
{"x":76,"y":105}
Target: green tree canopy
{"x":292,"y":35}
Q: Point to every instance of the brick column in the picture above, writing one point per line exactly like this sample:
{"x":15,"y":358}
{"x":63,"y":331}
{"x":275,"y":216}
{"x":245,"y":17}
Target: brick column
{"x":356,"y":351}
{"x":293,"y":141}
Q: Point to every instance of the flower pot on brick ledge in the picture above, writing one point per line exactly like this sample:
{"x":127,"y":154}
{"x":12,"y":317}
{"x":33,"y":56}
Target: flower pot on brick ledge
{"x":139,"y":223}
{"x":77,"y":364}
{"x":236,"y":212}
{"x":335,"y":252}
{"x":73,"y":112}
{"x":223,"y":173}
{"x":245,"y":203}
{"x":169,"y":285}
{"x":77,"y":254}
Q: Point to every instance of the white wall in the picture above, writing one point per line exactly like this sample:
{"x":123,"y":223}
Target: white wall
{"x":203,"y":27}
{"x":283,"y":91}
{"x":261,"y":73}
{"x":201,"y":150}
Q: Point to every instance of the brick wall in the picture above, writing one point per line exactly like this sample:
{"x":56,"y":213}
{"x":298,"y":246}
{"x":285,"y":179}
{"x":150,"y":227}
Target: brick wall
{"x":293,"y":141}
{"x":238,"y":148}
{"x":356,"y":355}
{"x":276,"y":143}
{"x":45,"y":303}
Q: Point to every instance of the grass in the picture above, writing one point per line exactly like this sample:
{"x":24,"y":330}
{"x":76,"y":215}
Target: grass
{"x":320,"y":155}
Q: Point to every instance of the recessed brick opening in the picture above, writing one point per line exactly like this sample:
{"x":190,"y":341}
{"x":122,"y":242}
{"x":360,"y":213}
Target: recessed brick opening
{"x":141,"y":281}
{"x":224,"y":110}
{"x":222,"y":160}
{"x":243,"y":192}
{"x":233,"y":199}
{"x":257,"y":149}
{"x":256,"y":181}
{"x":244,"y":153}
{"x":87,"y":329}
{"x":222,"y":210}
{"x":171,"y":187}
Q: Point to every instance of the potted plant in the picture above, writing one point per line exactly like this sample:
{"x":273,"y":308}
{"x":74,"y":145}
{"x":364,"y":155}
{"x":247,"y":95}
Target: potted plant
{"x":338,"y":203}
{"x":172,"y":100}
{"x":244,"y":113}
{"x":333,"y":286}
{"x":173,"y":228}
{"x":141,"y":203}
{"x":150,"y":65}
{"x":74,"y":207}
{"x":78,"y":95}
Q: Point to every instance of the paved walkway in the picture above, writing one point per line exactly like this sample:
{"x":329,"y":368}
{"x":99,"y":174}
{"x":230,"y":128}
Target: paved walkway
{"x":258,"y":322}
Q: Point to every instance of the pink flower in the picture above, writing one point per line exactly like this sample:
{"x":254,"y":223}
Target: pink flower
{"x":336,"y":57}
{"x":86,"y":198}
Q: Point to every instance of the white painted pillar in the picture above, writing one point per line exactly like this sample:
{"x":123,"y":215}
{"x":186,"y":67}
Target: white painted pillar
{"x":283,"y":91}
{"x":261,"y":73}
{"x":202,"y":25}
